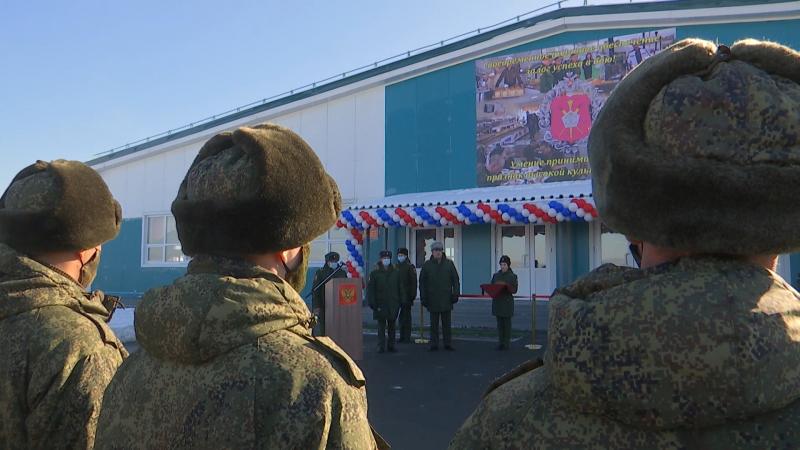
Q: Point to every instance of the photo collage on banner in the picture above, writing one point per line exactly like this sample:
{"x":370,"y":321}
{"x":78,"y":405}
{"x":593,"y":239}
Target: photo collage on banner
{"x":535,"y":108}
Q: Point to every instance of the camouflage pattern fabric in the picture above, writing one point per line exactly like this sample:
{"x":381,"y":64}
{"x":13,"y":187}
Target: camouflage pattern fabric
{"x":58,"y":356}
{"x":702,"y":353}
{"x":227,"y":361}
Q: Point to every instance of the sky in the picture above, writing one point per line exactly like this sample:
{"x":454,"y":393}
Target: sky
{"x":82,"y":77}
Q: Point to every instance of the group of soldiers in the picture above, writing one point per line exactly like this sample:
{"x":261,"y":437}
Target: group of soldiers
{"x":694,"y":158}
{"x":392,"y":289}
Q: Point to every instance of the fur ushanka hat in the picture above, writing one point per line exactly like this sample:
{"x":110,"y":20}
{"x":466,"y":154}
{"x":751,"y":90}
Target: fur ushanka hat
{"x":58,"y":206}
{"x":255,"y":190}
{"x":698,"y":149}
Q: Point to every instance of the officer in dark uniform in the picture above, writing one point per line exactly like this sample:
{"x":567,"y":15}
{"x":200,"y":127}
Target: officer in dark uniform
{"x":318,"y":294}
{"x":503,"y":304}
{"x":384,"y":292}
{"x":407,"y":274}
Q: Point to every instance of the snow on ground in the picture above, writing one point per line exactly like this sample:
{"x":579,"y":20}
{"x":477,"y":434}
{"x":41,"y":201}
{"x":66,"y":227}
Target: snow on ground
{"x":122,"y":324}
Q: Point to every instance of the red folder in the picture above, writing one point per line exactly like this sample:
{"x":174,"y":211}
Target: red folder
{"x":494,"y":290}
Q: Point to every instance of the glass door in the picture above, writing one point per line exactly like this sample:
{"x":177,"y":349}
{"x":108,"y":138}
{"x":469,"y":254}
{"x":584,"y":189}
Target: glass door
{"x":513,"y":240}
{"x":543,"y":252}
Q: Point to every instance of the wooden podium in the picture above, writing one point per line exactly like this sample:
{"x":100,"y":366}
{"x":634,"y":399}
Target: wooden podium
{"x":343,"y":321}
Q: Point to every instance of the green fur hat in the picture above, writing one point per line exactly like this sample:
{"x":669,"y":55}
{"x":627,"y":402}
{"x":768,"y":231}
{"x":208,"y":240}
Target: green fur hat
{"x":58,"y":206}
{"x":698,"y":149}
{"x":255,"y":190}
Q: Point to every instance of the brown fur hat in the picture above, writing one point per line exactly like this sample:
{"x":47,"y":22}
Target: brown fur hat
{"x":58,"y":206}
{"x":698,"y":149}
{"x":254,"y":190}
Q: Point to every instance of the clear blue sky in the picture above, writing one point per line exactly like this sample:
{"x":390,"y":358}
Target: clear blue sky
{"x":82,"y":77}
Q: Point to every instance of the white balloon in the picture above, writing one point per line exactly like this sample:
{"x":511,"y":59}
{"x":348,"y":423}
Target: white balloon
{"x":379,"y":220}
{"x":349,"y":275}
{"x":443,"y":221}
{"x":559,"y":217}
{"x":467,"y":220}
{"x":418,"y":220}
{"x":436,"y":215}
{"x":359,"y":269}
{"x":460,"y":217}
{"x":525,"y":212}
{"x":551,"y":212}
{"x":588,"y":217}
{"x":395,"y":217}
{"x":479,"y":213}
{"x":572,"y":207}
{"x":505,"y":216}
{"x":359,"y":248}
{"x":580,"y":212}
{"x":359,"y":219}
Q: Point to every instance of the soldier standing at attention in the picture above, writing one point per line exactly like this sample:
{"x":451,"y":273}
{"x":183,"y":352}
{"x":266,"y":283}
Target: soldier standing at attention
{"x":694,"y":158}
{"x":503,"y":305}
{"x":318,"y":296}
{"x":384,"y":292}
{"x":408,"y":278}
{"x":439,"y":288}
{"x":58,"y":355}
{"x":227,"y":358}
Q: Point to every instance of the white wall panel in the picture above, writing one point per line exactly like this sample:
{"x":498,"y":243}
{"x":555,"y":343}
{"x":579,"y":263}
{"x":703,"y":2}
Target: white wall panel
{"x":370,"y":154}
{"x":346,"y":133}
{"x":314,"y":129}
{"x":341,"y":144}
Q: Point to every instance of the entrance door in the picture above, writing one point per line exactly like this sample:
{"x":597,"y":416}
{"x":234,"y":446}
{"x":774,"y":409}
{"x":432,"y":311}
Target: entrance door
{"x":513,"y":240}
{"x":543,"y":259}
{"x":423,"y":238}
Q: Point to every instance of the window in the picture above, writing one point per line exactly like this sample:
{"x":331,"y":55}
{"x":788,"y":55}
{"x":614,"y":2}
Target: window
{"x":161,"y":245}
{"x":331,"y":241}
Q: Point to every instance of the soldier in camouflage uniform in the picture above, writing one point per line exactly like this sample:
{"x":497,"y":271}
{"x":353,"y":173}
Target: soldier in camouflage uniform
{"x":408,"y":277}
{"x":695,"y":159}
{"x":58,"y":354}
{"x":227,"y":357}
{"x":318,"y":295}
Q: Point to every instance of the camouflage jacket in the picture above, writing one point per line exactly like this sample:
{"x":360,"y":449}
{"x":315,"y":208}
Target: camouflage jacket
{"x":703,"y":353}
{"x":227,"y":360}
{"x":57,"y":357}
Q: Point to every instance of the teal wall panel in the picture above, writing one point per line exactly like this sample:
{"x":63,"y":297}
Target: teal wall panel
{"x":572,"y":251}
{"x":121,"y":270}
{"x":476,"y":257}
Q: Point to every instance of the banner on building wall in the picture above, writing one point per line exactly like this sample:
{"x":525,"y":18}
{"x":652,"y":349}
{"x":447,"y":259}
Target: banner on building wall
{"x":535,"y":109}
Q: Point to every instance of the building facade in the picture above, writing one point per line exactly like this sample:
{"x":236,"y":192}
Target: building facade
{"x":480,"y":144}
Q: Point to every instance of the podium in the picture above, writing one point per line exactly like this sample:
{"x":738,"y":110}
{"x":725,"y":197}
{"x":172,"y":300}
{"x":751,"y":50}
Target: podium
{"x":343,"y":320}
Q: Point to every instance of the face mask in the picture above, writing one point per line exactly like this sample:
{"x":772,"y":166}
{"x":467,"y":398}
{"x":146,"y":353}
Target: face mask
{"x":89,"y":270}
{"x":386,"y":262}
{"x":296,"y":277}
{"x":401,"y":258}
{"x":333,"y":265}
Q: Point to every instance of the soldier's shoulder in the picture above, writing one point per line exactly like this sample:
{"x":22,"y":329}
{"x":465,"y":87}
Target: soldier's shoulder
{"x":290,"y":355}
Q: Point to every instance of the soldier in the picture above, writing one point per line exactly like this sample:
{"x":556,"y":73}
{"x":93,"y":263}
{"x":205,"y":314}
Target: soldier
{"x":700,"y":348}
{"x":58,"y":353}
{"x":227,"y":358}
{"x":384,"y":292}
{"x":439,"y":288}
{"x":503,"y":305}
{"x":408,"y":278}
{"x":331,"y":266}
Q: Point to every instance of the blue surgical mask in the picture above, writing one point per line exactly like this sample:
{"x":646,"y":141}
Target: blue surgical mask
{"x":333,"y":264}
{"x":386,"y":262}
{"x":401,"y":258}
